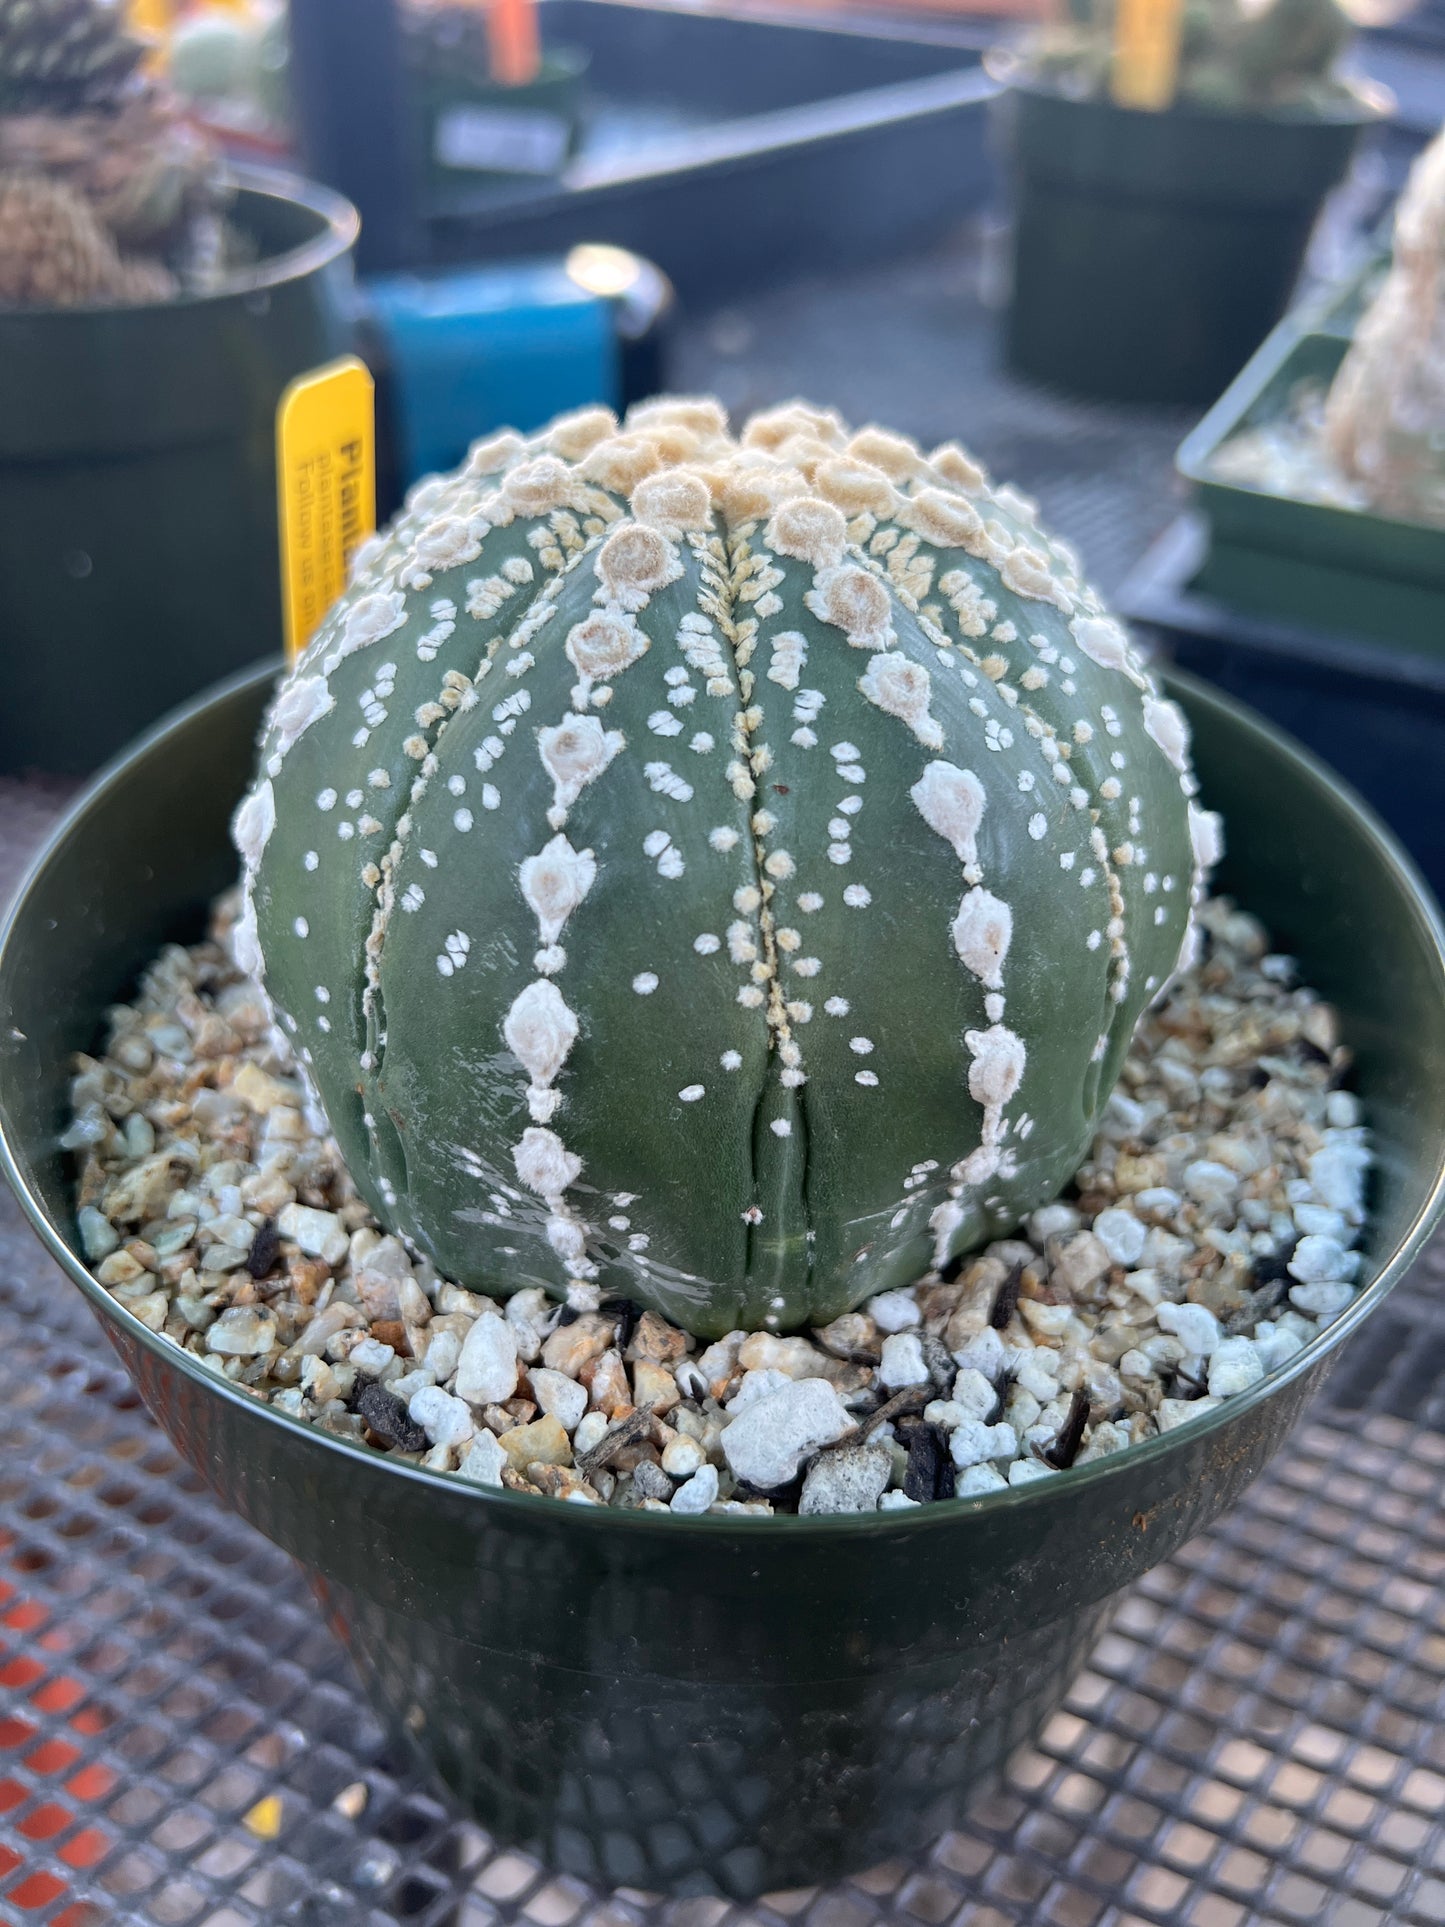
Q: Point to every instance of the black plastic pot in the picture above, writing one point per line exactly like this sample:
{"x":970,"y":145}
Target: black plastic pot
{"x":1152,"y":252}
{"x":1376,"y":713}
{"x":741,"y":1704}
{"x":138,"y":545}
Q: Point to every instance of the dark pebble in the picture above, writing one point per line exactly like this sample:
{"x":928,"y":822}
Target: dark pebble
{"x":929,"y":1473}
{"x":1006,"y":1304}
{"x":265,"y":1250}
{"x":1269,"y":1276}
{"x":627,"y":1317}
{"x":1070,"y":1436}
{"x":651,"y":1481}
{"x":387,"y":1418}
{"x":941,"y":1368}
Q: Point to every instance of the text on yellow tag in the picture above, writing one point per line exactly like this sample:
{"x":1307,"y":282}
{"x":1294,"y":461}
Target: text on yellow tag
{"x":326,"y":488}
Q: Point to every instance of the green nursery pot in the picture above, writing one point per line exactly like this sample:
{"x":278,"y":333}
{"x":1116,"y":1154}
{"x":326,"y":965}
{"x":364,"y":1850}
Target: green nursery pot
{"x":138,"y":543}
{"x":716,"y":1703}
{"x":1152,"y":252}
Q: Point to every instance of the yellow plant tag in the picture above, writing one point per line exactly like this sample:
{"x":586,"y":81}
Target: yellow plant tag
{"x":326,"y":488}
{"x":151,"y":16}
{"x":1146,"y":52}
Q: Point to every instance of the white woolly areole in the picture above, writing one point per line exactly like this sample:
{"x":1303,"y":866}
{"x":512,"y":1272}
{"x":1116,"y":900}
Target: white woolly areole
{"x":535,"y":487}
{"x":674,"y":500}
{"x":605,"y":644}
{"x":573,"y":436}
{"x":944,"y":1223}
{"x":999,"y":1057}
{"x":302,"y":701}
{"x":368,"y":620}
{"x":855,"y":601}
{"x":789,"y":658}
{"x":700,"y":414}
{"x":951,"y":802}
{"x":1102,"y":640}
{"x":1206,"y":836}
{"x":544,"y":1164}
{"x":554,"y":883}
{"x":246,"y":943}
{"x":621,"y":462}
{"x":811,"y":529}
{"x":635,"y":561}
{"x":574,"y":754}
{"x":944,"y":519}
{"x":1027,"y":573}
{"x":776,"y":426}
{"x":540,"y":1030}
{"x":902,"y":688}
{"x":898,"y":457}
{"x":486,"y":457}
{"x":955,"y":465}
{"x":855,"y":487}
{"x":982,"y":932}
{"x":253,"y":823}
{"x":1164,"y":722}
{"x":446,"y":543}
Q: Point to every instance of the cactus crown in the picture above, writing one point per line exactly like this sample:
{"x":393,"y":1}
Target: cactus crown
{"x":722,"y":872}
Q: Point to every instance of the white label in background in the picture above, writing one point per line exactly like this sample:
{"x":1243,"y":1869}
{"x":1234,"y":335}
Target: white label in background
{"x":510,"y":140}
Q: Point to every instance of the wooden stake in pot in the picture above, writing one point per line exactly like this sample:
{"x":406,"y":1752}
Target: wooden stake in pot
{"x":1147,"y":35}
{"x":514,"y":41}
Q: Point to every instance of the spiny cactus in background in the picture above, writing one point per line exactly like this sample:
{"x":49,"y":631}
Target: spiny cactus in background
{"x":54,"y":253}
{"x":1385,"y":417}
{"x":134,"y":193}
{"x":721,"y":873}
{"x":60,"y":55}
{"x":1233,"y":57}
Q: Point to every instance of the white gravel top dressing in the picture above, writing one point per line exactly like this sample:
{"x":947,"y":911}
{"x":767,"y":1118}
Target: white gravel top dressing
{"x":1208,"y":1238}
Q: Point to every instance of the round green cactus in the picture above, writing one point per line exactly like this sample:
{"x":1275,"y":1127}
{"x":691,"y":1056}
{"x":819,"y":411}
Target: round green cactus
{"x":721,"y":873}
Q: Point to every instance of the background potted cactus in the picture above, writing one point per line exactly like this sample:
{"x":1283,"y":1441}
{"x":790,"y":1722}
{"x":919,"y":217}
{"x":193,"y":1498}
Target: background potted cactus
{"x":1162,"y":207}
{"x":494,"y":109}
{"x":152,"y":309}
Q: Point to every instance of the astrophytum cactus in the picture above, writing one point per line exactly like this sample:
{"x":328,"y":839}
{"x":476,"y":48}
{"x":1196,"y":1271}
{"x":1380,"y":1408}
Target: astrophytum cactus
{"x":723,"y":874}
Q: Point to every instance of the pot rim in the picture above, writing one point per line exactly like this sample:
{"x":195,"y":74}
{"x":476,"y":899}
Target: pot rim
{"x":336,"y":239}
{"x":1361,"y":101}
{"x":942,"y":1514}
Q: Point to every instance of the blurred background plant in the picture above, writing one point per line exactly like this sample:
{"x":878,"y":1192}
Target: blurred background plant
{"x":229,"y":63}
{"x":108,"y":193}
{"x":1236,"y":55}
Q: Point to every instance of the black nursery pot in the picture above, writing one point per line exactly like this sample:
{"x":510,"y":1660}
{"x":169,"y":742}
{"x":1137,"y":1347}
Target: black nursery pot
{"x":138,"y":533}
{"x":1152,"y":252}
{"x":718,"y":1703}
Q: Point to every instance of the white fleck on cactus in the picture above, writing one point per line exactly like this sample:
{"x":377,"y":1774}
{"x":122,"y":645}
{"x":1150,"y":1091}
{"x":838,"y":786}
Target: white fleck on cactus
{"x":725,"y":873}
